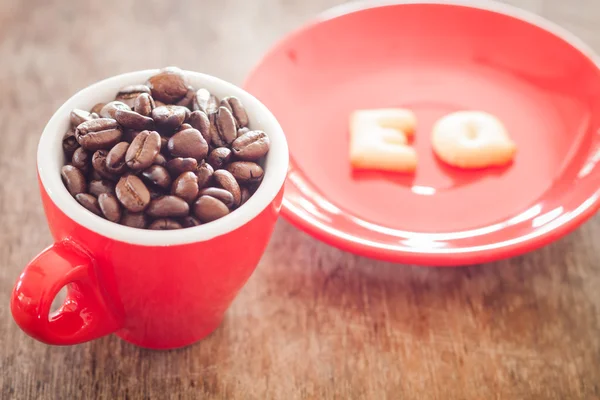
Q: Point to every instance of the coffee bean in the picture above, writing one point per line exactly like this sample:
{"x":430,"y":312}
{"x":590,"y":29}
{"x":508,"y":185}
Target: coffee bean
{"x":245,"y":195}
{"x":198,"y":120}
{"x":188,"y":98}
{"x":237,"y":109}
{"x":160,"y":160}
{"x":132,"y":193}
{"x":69,"y":144}
{"x":144,"y":104}
{"x":128,"y":94}
{"x":242,"y":131}
{"x":246,"y":172}
{"x":219,"y":157}
{"x":164,"y":144}
{"x":73,"y":179}
{"x":110,"y":207}
{"x":168,"y":85}
{"x":188,"y":143}
{"x":204,"y":174}
{"x":224,"y":179}
{"x":115,"y":159}
{"x":179,"y":165}
{"x":165,"y":224}
{"x":215,"y":138}
{"x":101,"y":133}
{"x":168,"y":118}
{"x":226,"y":125}
{"x":186,"y":186}
{"x":208,"y":208}
{"x":78,"y":116}
{"x":97,"y":108}
{"x":89,"y":202}
{"x":81,"y":159}
{"x":99,"y":164}
{"x":97,"y":187}
{"x":220,"y":194}
{"x":189,"y":221}
{"x":109,"y":110}
{"x":168,"y":206}
{"x":225,"y":104}
{"x":251,"y":146}
{"x":142,"y":151}
{"x":157,"y":175}
{"x":133,"y":120}
{"x":134,"y":220}
{"x":205,"y":102}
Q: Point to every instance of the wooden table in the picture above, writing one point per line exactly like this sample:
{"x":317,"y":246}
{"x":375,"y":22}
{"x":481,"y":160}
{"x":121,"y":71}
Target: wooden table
{"x":313,"y":322}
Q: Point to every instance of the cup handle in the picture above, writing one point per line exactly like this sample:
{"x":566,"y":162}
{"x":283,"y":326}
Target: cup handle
{"x":82,"y":317}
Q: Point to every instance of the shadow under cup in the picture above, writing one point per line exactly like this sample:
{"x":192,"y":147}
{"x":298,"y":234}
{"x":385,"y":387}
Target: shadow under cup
{"x":156,"y":289}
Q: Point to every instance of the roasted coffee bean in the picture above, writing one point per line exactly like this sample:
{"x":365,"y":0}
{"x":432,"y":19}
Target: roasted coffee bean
{"x":132,"y":193}
{"x":108,"y":111}
{"x":164,"y":144}
{"x":245,"y":195}
{"x":134,"y":220}
{"x":69,"y":144}
{"x":101,"y":133}
{"x":78,"y":116}
{"x":158,"y":175}
{"x":165,"y":224}
{"x":144,"y":104}
{"x":168,"y":85}
{"x":168,"y":206}
{"x":188,"y":98}
{"x":89,"y":202}
{"x":205,"y":102}
{"x":237,"y":109}
{"x":186,"y":186}
{"x":226,"y":125}
{"x":184,"y":126}
{"x":215,"y":138}
{"x":224,"y":179}
{"x":179,"y":165}
{"x":220,"y":194}
{"x":160,"y":160}
{"x":219,"y":157}
{"x":198,"y":120}
{"x":97,"y":187}
{"x":246,"y":172}
{"x":251,"y":146}
{"x":204,"y":174}
{"x":208,"y":208}
{"x":142,"y":151}
{"x":110,"y":207}
{"x":97,"y":108}
{"x":81,"y":159}
{"x":242,"y":131}
{"x":128,"y":94}
{"x":99,"y":164}
{"x":225,"y":104}
{"x":133,"y":120}
{"x":73,"y":179}
{"x":189,"y":221}
{"x":115,"y":159}
{"x":188,"y":143}
{"x":168,"y":118}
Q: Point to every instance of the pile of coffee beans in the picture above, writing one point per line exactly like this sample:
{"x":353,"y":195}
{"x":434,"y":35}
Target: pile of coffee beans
{"x":163,"y":155}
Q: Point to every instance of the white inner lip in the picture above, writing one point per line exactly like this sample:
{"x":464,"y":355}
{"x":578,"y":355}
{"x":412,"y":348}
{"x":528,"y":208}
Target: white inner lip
{"x":50,"y":159}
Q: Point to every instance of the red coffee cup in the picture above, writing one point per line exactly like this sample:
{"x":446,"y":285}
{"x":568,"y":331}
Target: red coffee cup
{"x":156,"y":289}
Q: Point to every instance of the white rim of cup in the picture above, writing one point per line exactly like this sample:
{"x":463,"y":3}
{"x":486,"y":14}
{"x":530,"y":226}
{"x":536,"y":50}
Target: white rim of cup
{"x":50,"y":160}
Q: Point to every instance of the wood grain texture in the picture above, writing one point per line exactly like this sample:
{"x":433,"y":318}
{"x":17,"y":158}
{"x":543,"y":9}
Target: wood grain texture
{"x":313,"y":322}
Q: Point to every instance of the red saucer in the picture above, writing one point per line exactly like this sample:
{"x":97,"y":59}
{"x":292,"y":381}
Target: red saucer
{"x":437,"y":58}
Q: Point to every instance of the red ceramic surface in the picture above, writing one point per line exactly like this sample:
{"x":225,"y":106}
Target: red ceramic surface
{"x":156,"y":289}
{"x":436,"y":58}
